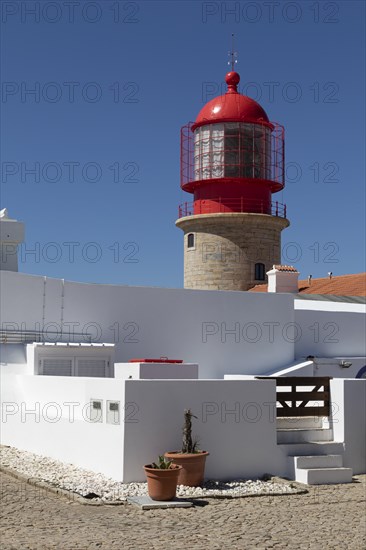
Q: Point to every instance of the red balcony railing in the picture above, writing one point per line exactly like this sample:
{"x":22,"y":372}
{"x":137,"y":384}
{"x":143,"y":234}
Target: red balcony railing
{"x":215,"y":206}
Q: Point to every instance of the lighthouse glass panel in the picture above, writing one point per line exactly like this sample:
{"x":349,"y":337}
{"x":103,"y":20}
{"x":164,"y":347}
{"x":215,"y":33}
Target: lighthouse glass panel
{"x":209,"y":152}
{"x":232,"y":150}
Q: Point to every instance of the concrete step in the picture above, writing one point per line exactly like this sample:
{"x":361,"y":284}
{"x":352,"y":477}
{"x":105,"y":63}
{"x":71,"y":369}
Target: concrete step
{"x":300,"y":422}
{"x":323,"y":476}
{"x":312,"y":448}
{"x":304,"y":435}
{"x":317,"y":461}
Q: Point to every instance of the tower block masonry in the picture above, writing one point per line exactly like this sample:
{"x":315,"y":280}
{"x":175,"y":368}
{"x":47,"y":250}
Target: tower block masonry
{"x":232,"y":161}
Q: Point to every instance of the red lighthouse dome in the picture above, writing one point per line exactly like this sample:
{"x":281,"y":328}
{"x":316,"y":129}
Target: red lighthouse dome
{"x":231,"y":106}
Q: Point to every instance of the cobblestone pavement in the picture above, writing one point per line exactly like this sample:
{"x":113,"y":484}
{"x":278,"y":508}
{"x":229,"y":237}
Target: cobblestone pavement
{"x":329,"y":516}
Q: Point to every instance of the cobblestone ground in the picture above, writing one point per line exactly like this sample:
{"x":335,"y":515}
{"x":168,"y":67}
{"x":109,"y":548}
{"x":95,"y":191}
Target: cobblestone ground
{"x":329,"y":516}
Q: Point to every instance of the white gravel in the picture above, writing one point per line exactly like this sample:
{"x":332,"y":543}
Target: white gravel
{"x":85,"y":482}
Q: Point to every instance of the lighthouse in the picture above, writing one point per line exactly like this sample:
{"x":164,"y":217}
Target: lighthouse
{"x":232,"y":162}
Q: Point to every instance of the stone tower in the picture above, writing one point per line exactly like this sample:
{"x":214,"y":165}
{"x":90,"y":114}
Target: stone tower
{"x":232,"y":161}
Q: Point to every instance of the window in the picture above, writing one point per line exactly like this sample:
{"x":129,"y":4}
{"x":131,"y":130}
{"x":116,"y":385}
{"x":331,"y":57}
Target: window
{"x":209,"y":152}
{"x":242,"y":154}
{"x":190,"y":240}
{"x":234,"y":150}
{"x":260,"y":272}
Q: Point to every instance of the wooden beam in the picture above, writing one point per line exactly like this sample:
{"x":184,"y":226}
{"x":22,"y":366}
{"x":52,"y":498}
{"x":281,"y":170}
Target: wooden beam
{"x":304,"y":411}
{"x":300,"y":395}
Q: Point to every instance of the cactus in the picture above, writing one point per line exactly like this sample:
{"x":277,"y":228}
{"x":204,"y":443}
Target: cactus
{"x":162,"y":464}
{"x":189,"y":446}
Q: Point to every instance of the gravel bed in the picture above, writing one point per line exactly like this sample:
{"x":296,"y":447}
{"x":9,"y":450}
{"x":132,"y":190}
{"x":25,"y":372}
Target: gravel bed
{"x":92,"y":485}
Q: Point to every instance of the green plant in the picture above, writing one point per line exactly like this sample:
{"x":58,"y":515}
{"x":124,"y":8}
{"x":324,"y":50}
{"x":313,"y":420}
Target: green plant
{"x":189,"y":445}
{"x":162,"y":464}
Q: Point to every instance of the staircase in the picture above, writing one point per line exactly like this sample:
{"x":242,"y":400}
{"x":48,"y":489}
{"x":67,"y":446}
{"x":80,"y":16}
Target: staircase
{"x":313,"y":457}
{"x":303,"y":430}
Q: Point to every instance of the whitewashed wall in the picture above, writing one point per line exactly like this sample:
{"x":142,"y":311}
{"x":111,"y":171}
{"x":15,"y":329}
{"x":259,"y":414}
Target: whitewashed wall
{"x":156,"y":371}
{"x":13,"y":360}
{"x":235,"y":332}
{"x":224,"y":332}
{"x":325,"y":366}
{"x":235,"y":424}
{"x":50,"y":416}
{"x":330,"y":329}
{"x":349,"y":421}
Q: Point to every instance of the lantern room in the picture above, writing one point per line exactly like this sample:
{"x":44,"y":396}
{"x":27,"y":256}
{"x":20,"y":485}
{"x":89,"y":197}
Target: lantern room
{"x":232,"y":157}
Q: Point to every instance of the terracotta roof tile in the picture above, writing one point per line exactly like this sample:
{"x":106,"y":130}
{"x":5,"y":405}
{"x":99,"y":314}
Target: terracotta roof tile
{"x":259,"y":288}
{"x":341,"y":285}
{"x":285,"y":268}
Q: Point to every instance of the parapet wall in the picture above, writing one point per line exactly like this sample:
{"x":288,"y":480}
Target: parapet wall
{"x":236,"y":422}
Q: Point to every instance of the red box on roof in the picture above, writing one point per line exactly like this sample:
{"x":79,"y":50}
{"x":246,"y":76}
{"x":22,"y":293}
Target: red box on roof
{"x":160,"y":360}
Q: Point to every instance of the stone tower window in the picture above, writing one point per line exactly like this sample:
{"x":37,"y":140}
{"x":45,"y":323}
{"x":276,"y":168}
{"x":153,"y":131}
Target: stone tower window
{"x":260,"y":272}
{"x":190,"y":240}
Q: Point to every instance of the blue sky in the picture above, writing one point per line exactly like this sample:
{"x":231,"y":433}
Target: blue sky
{"x":113,"y":84}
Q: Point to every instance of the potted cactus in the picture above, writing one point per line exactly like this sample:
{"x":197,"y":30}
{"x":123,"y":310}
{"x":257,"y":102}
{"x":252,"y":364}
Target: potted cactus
{"x":190,"y":458}
{"x":162,"y":479}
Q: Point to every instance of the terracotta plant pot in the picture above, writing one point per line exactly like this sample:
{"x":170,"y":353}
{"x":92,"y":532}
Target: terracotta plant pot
{"x":193,"y":467}
{"x":162,"y":484}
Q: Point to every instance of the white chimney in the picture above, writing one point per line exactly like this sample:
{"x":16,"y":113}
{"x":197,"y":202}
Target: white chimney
{"x":283,"y":278}
{"x":11,"y":235}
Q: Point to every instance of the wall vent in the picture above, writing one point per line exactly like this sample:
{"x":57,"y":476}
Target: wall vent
{"x":92,"y":367}
{"x":56,"y":367}
{"x":96,"y":410}
{"x":113,"y":412}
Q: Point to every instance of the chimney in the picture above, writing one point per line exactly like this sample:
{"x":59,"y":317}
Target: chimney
{"x":283,"y":278}
{"x":11,"y":235}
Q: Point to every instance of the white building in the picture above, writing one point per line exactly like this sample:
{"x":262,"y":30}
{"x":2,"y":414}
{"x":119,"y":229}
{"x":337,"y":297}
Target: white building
{"x":69,"y":390}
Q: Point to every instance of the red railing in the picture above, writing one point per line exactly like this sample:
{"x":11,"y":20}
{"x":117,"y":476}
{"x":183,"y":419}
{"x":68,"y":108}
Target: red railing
{"x":218,"y":205}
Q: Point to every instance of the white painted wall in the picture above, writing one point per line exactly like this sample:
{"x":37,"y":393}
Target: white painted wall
{"x":156,"y":371}
{"x":324,"y":366}
{"x":224,"y":332}
{"x":299,"y":368}
{"x":282,"y":281}
{"x":349,"y":421}
{"x":235,"y":424}
{"x":35,"y":417}
{"x":330,"y":329}
{"x":13,"y":360}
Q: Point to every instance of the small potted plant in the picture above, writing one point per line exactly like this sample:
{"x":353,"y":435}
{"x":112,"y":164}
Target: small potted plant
{"x":162,"y":479}
{"x":190,"y":458}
